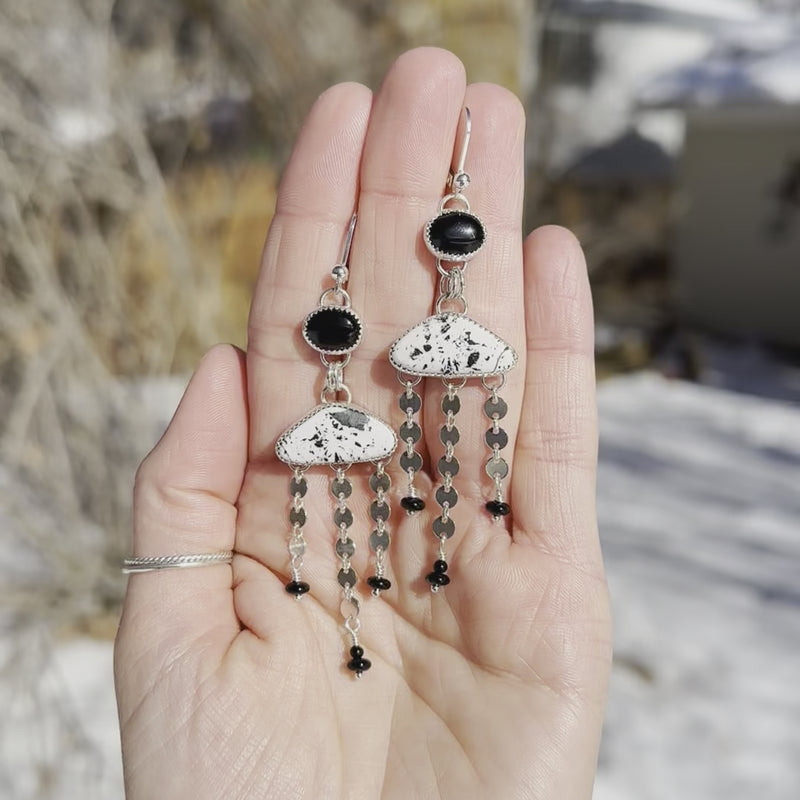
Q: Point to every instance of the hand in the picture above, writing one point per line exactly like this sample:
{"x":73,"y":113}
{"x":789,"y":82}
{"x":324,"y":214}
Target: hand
{"x":494,"y":687}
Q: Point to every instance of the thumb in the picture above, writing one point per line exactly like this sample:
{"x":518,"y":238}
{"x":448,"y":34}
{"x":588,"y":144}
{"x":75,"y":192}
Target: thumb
{"x":184,"y":503}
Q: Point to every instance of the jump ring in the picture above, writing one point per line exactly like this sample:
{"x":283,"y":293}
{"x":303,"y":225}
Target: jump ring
{"x":499,"y":386}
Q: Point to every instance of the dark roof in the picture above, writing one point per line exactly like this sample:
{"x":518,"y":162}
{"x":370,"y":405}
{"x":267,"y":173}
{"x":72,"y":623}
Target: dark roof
{"x":629,"y":159}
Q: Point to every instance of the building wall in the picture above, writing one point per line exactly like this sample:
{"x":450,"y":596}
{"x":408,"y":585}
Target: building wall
{"x":738,"y":240}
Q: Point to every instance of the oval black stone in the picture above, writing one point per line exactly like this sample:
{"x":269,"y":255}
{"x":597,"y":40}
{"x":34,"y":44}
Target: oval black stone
{"x":455,"y":235}
{"x":497,"y":508}
{"x":297,"y":588}
{"x":412,"y":503}
{"x":379,"y":584}
{"x":332,"y":330}
{"x":440,"y":565}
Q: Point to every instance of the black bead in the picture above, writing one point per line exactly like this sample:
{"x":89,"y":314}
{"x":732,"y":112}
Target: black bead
{"x":297,"y":588}
{"x":332,"y":329}
{"x":359,"y":665}
{"x":356,"y":651}
{"x":379,"y":584}
{"x":440,"y":566}
{"x":455,"y":235}
{"x":412,"y":503}
{"x":437,"y":579}
{"x":497,"y":508}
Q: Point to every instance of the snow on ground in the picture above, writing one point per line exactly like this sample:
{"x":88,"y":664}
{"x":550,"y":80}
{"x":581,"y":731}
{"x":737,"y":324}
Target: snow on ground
{"x":699,"y":504}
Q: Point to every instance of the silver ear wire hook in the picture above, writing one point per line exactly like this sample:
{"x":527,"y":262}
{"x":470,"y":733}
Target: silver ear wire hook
{"x":341,"y":271}
{"x":348,"y":241}
{"x":459,"y":180}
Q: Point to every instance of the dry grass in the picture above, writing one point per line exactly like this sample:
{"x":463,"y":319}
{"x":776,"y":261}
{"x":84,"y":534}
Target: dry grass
{"x":129,"y":240}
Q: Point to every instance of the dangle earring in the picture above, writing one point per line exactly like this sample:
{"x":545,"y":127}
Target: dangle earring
{"x":451,"y":346}
{"x":338,"y":434}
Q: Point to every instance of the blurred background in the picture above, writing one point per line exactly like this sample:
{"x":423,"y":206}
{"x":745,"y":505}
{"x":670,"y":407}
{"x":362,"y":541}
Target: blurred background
{"x":141,"y":145}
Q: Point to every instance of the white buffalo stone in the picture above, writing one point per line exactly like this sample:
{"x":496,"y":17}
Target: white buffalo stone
{"x":336,"y":433}
{"x":451,"y":346}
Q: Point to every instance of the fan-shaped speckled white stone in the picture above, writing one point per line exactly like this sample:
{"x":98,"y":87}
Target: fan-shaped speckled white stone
{"x":451,"y":346}
{"x":336,"y":433}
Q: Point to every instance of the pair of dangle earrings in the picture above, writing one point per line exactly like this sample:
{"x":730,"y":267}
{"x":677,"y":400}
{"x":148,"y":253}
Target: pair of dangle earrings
{"x":448,"y":345}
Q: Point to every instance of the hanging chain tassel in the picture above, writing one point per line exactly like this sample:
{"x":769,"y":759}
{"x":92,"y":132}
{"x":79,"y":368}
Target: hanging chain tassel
{"x":345,"y":547}
{"x":297,"y":543}
{"x":446,"y":494}
{"x":496,"y":439}
{"x":410,"y":433}
{"x":379,"y":539}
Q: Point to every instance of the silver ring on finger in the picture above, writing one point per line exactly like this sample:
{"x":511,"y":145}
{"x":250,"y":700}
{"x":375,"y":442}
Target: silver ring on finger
{"x":154,"y":563}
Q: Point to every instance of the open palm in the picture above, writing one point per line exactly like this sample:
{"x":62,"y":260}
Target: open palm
{"x":495,"y":686}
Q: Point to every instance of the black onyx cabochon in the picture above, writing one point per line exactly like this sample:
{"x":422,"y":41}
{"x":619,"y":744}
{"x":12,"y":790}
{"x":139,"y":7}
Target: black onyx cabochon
{"x":332,"y":329}
{"x":455,"y":235}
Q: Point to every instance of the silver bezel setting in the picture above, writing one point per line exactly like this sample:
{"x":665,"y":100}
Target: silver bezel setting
{"x":448,"y":375}
{"x":339,"y":351}
{"x":280,"y":451}
{"x":445,"y":256}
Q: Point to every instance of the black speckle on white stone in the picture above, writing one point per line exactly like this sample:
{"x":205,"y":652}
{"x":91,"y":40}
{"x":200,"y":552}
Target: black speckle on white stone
{"x":351,"y":418}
